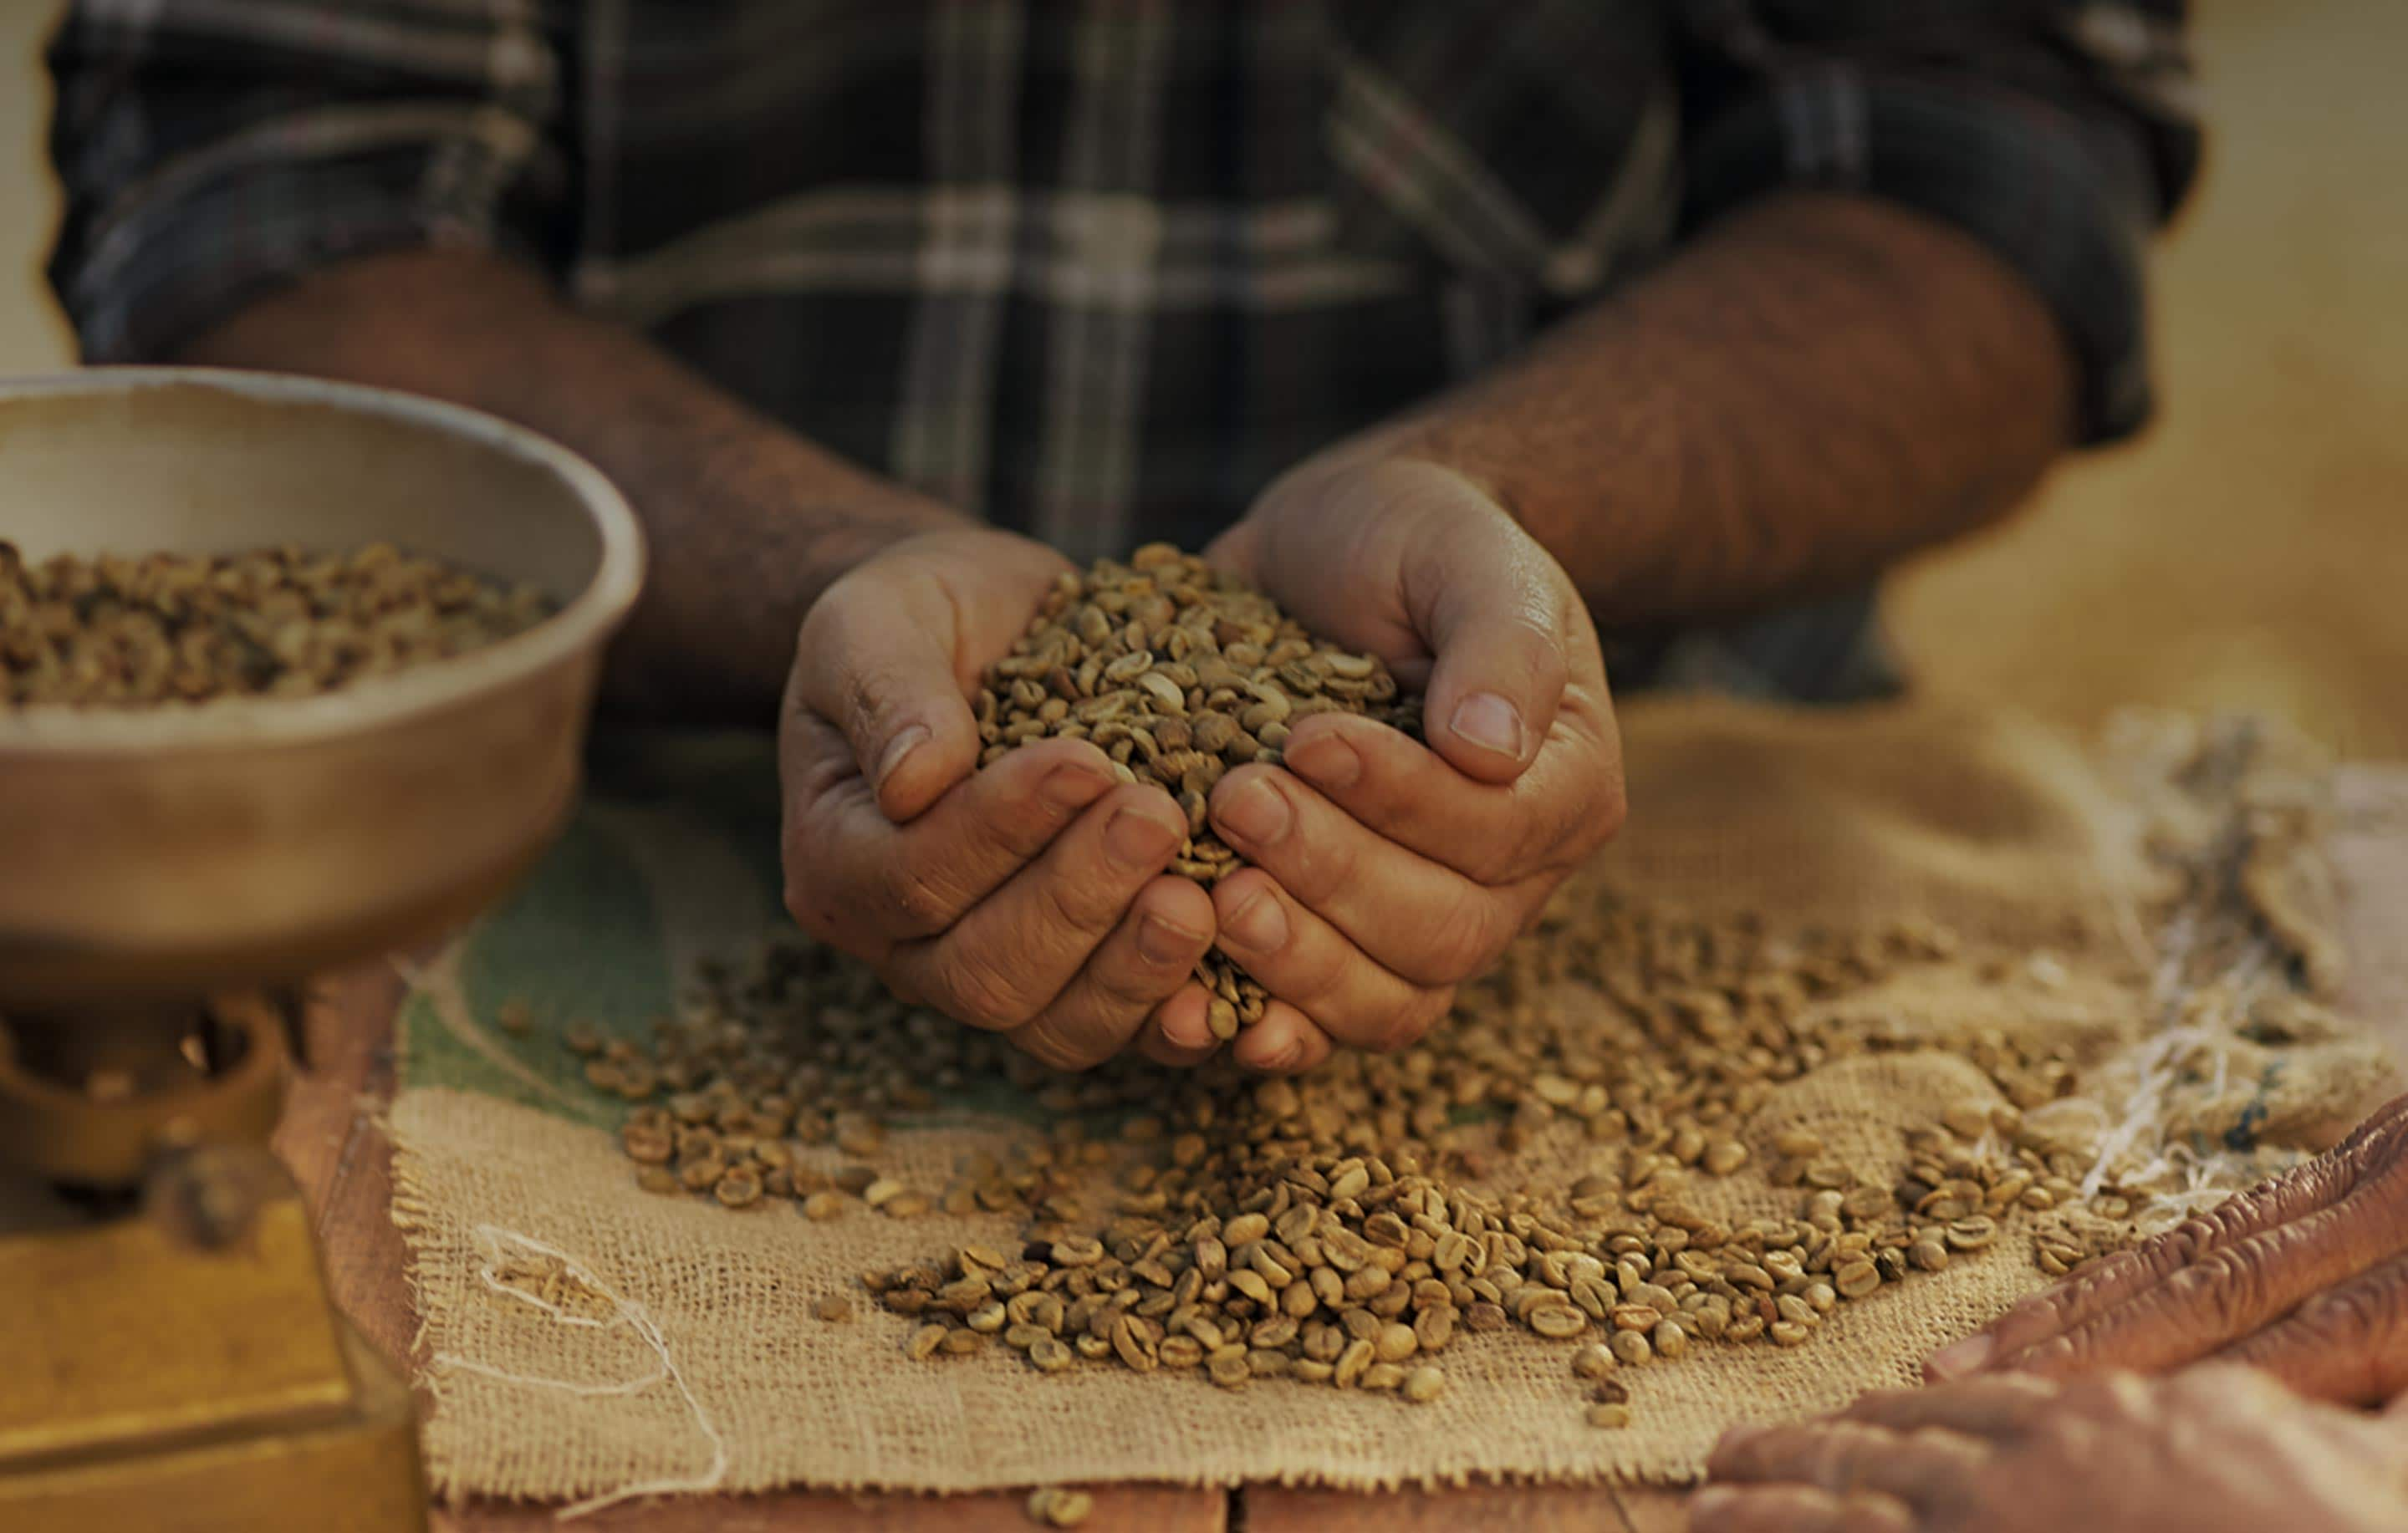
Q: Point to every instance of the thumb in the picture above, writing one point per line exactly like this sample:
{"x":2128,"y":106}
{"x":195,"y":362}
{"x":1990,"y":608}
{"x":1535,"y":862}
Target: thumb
{"x":876,"y":660}
{"x":1496,"y":610}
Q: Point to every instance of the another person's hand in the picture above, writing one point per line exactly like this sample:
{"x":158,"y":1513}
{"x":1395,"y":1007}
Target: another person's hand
{"x":1388,"y":871}
{"x":2305,"y":1277}
{"x":2216,"y":1449}
{"x":1029,"y":897}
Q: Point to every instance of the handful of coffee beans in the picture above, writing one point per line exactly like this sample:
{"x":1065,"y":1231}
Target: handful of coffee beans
{"x":1179,"y":671}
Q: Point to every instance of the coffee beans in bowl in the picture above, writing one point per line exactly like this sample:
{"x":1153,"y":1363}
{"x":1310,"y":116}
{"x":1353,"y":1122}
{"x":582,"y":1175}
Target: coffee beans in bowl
{"x":117,"y":632}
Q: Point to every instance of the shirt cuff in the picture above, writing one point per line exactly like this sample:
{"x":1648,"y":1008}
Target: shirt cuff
{"x":169,"y":268}
{"x":2060,"y":201}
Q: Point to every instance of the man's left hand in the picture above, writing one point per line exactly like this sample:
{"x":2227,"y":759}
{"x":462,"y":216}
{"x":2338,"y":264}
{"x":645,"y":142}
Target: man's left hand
{"x":1386,"y":871}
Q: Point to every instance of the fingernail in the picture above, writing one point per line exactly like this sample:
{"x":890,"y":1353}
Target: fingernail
{"x":1137,"y":840}
{"x":1072,"y":787}
{"x":1490,"y":723}
{"x":1163,"y":941}
{"x":1195,"y":1033}
{"x":1325,"y":761}
{"x":1286,"y":1059}
{"x":1958,"y":1358}
{"x":898,"y":750}
{"x":1708,"y":1500}
{"x":1259,"y":926}
{"x":1255,"y":811}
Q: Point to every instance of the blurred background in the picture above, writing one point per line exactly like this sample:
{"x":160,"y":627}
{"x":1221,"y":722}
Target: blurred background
{"x":2251,"y":551}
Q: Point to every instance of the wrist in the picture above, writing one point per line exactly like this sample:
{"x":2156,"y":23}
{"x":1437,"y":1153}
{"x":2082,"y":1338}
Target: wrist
{"x":1504,"y":440}
{"x":830,"y":516}
{"x":964,"y":556}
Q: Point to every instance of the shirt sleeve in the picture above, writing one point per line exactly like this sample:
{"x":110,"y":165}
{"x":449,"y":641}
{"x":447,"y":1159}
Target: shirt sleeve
{"x":211,"y":151}
{"x":2059,"y":133}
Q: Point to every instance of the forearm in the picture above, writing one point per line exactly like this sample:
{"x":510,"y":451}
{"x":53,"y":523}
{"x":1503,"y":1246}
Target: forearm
{"x":1818,"y":385}
{"x":746,"y":521}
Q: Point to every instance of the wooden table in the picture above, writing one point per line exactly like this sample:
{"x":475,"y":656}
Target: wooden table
{"x":330,"y":1138}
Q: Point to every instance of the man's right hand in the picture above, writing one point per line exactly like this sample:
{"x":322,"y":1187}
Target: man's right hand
{"x":1028,"y":899}
{"x":2214,"y":1449}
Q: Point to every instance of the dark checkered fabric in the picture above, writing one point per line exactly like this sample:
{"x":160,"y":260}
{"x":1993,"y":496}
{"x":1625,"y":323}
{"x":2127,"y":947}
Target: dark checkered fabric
{"x":1097,"y":271}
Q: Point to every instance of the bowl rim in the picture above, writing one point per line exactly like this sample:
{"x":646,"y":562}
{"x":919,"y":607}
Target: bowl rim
{"x":375,"y":702}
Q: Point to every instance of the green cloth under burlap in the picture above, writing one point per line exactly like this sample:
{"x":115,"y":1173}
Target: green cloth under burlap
{"x":669,"y":1344}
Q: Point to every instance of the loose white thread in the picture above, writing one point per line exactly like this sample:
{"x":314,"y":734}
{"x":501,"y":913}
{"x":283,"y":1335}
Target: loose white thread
{"x":2158,"y":1060}
{"x":493,"y":1241}
{"x":2180,"y":1029}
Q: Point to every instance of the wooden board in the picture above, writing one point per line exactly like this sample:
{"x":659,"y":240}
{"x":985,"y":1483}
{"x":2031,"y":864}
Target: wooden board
{"x":332,"y":1138}
{"x":1485,"y":1509}
{"x":1124,"y":1509}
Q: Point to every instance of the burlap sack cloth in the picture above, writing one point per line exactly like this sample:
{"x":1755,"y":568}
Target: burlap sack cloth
{"x":675,"y":1346}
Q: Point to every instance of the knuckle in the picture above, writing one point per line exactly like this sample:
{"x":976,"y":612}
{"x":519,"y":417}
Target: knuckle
{"x":1019,"y":821}
{"x":2201,"y":1233}
{"x":919,"y":903}
{"x":1325,"y":865}
{"x":1594,"y":818}
{"x":1051,"y":1047}
{"x":2374,"y":1138}
{"x":1406,"y":1024}
{"x":1472,"y":931}
{"x":814,"y":915}
{"x":2227,"y":1283}
{"x":1934,"y":1440}
{"x":2111,"y":1395}
{"x":2056,"y":1358}
{"x":2343,"y":1315}
{"x":1875,"y":1404}
{"x":2077,"y":1295}
{"x":859,"y":690}
{"x":974,"y":991}
{"x":1322,"y":984}
{"x":1070,"y":903}
{"x":2361,"y":1311}
{"x":1124,"y":985}
{"x":1500,"y":860}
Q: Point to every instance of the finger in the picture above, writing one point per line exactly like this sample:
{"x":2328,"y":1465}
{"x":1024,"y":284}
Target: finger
{"x":2236,"y":1288}
{"x":1006,"y":959}
{"x":2118,"y":1280}
{"x":1239,"y":551}
{"x":1566,"y":806}
{"x":1426,"y":923}
{"x":1282,"y":1041}
{"x":1178,"y":1034}
{"x":1499,"y":617}
{"x":1926,"y":1468}
{"x":1141,"y":963}
{"x":2347,"y":1344}
{"x":876,"y":660}
{"x":1989,"y":1407}
{"x":1794,"y":1509}
{"x":1305,"y":961}
{"x":859,"y":880}
{"x":1155,"y":1045}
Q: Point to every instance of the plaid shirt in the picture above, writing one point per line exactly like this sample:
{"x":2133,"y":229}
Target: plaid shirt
{"x":1099,"y":271}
